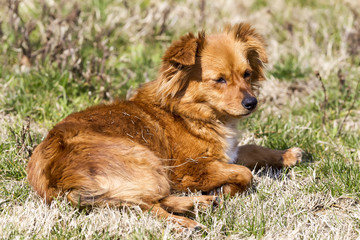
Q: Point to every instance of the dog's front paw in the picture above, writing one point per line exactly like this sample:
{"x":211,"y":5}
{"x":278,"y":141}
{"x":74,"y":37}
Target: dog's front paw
{"x":292,"y":156}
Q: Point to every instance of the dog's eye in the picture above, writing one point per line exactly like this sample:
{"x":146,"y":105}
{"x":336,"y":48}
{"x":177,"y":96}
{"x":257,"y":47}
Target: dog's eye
{"x":220,"y":80}
{"x":247,"y":74}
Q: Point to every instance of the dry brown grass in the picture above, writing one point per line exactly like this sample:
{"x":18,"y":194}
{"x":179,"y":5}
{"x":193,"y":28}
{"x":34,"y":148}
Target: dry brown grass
{"x":318,"y":36}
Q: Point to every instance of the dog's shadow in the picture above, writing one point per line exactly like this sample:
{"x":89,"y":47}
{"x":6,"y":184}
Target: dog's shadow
{"x":279,"y":174}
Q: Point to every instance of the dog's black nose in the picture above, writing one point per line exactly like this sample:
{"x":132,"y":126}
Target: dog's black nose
{"x":249,"y":103}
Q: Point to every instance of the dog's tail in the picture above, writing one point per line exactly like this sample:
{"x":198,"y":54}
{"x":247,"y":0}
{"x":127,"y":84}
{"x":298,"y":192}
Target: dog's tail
{"x":40,"y":168}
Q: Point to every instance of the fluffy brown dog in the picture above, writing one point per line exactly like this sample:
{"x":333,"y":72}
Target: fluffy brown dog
{"x":177,"y":133}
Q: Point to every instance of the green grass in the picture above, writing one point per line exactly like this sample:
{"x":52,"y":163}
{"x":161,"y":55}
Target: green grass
{"x":289,"y":69}
{"x":113,"y":47}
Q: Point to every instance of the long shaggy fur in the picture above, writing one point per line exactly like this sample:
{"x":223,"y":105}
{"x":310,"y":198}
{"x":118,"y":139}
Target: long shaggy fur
{"x":177,"y":133}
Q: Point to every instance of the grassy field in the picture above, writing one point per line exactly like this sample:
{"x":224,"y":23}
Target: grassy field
{"x":58,"y":57}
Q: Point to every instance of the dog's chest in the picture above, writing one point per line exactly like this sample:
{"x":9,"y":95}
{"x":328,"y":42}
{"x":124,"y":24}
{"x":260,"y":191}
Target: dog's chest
{"x":232,"y":142}
{"x":232,"y":148}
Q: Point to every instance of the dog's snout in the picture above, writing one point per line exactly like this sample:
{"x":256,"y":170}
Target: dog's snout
{"x":249,"y":103}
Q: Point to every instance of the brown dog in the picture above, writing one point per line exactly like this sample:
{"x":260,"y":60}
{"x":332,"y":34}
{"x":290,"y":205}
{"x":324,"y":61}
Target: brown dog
{"x":177,"y":133}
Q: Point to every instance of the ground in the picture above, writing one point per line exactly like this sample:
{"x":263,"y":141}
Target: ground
{"x":61,"y":56}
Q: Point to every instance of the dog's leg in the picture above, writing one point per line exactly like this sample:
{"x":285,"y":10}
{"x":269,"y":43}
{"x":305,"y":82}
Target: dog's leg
{"x":211,"y":174}
{"x":253,"y":156}
{"x":160,"y":212}
{"x":186,"y":204}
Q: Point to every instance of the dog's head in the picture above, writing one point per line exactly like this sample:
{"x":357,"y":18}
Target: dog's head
{"x":218,"y":73}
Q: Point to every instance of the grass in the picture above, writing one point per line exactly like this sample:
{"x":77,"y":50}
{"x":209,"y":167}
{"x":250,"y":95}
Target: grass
{"x":63,"y":56}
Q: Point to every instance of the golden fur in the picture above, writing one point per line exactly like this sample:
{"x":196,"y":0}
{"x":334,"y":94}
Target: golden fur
{"x":177,"y":133}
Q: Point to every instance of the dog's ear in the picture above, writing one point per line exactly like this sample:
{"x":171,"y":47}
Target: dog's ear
{"x":177,"y":64}
{"x":184,"y":51}
{"x":255,"y":46}
{"x":255,"y":43}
